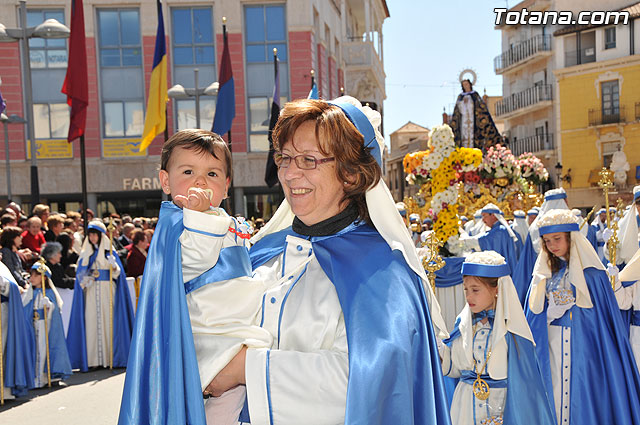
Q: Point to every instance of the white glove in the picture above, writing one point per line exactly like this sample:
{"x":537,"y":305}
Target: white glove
{"x":46,"y":302}
{"x":612,"y":270}
{"x":555,"y":311}
{"x":606,"y":234}
{"x":112,"y":260}
{"x":86,"y":282}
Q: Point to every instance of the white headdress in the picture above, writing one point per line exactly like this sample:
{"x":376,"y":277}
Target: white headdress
{"x":554,"y":199}
{"x":383,"y":214}
{"x":581,"y":256}
{"x":628,"y":231}
{"x":509,"y":316}
{"x":520,"y":225}
{"x":493,"y":209}
{"x":104,"y":245}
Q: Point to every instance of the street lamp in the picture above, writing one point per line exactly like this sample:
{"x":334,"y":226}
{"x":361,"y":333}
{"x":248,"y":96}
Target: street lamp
{"x":179,"y":92}
{"x":6,"y":120}
{"x":558,"y":168}
{"x":48,"y":29}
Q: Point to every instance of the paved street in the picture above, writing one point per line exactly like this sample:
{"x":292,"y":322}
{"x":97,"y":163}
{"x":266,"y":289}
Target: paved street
{"x":87,"y":398}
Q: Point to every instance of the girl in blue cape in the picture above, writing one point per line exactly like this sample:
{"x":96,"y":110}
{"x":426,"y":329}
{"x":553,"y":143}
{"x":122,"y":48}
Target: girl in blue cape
{"x":89,"y":337}
{"x":491,"y":350}
{"x":581,"y":339}
{"x":36,"y":306}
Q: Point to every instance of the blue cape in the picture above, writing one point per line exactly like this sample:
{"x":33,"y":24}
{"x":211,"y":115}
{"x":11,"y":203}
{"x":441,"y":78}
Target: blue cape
{"x":122,"y":323}
{"x":394,"y":368}
{"x":499,"y":240}
{"x":605,"y":387}
{"x":58,"y":354}
{"x":591,"y":237}
{"x":19,"y":367}
{"x":523,"y":270}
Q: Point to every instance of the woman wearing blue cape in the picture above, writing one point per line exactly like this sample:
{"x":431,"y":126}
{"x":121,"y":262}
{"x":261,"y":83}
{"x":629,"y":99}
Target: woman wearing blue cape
{"x":491,"y":351}
{"x":347,"y":305}
{"x":89,"y":336}
{"x":581,"y":339}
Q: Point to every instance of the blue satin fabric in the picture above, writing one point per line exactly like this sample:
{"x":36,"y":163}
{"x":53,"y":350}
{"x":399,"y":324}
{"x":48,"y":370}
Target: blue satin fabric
{"x":591,"y":237}
{"x":394,"y":368}
{"x":469,"y":377}
{"x":162,"y":385}
{"x":556,"y":196}
{"x":58,"y":354}
{"x":523,"y":269}
{"x":19,"y":367}
{"x":556,"y":228}
{"x":233,"y":262}
{"x":499,"y":240}
{"x":122,"y":318}
{"x":450,"y":274}
{"x":485,"y":270}
{"x":605,"y":386}
{"x":527,"y":400}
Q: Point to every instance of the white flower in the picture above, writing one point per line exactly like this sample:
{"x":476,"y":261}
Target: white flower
{"x":491,"y":258}
{"x":433,"y":160}
{"x":557,"y":217}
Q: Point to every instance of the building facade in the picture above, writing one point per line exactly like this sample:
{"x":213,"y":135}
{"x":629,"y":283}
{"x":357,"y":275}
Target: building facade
{"x":340,"y":39}
{"x":411,"y":137}
{"x":598,"y":75}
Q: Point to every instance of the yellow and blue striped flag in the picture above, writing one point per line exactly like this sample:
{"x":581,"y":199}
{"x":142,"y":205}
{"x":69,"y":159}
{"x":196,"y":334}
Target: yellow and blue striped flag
{"x":155,"y":120}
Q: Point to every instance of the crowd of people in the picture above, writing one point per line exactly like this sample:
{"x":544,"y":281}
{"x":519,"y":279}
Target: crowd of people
{"x":326,"y":315}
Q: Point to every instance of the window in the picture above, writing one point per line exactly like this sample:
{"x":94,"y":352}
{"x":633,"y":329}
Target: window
{"x":121,"y":78}
{"x":193,"y":47}
{"x":48,"y":59}
{"x":610,"y":38}
{"x":608,"y":149}
{"x":265,"y":28}
{"x":610,"y":101}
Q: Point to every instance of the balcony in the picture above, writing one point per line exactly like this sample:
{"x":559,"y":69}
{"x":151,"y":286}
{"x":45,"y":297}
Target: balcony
{"x":537,"y":143}
{"x":361,"y":58}
{"x":579,"y":57}
{"x":521,"y":53}
{"x":525,"y":101}
{"x":607,"y":116}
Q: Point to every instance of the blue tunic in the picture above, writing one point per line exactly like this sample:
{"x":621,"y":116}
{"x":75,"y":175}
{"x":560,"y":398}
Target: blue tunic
{"x":521,"y":275}
{"x":499,"y":240}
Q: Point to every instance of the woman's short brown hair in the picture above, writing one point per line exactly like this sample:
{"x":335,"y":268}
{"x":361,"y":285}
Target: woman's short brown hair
{"x":555,"y":263}
{"x":200,"y":141}
{"x":338,"y":137}
{"x":8,"y":235}
{"x":138,"y":235}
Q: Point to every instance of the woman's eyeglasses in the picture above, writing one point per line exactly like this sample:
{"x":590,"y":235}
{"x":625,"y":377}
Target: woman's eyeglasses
{"x":304,"y":162}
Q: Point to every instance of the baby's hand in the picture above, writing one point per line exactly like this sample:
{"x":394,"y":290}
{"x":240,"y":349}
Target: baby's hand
{"x":197,"y":199}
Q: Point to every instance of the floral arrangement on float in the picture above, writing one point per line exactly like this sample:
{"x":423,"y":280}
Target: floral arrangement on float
{"x":457,"y":181}
{"x":438,"y":171}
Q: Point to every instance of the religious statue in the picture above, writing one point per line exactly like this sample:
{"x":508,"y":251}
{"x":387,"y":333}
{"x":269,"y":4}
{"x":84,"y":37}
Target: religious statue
{"x":619,"y":166}
{"x":471,"y":123}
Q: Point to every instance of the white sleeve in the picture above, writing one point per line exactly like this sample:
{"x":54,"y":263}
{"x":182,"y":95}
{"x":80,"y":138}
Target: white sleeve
{"x":448,"y":369}
{"x":27,"y":295}
{"x":201,"y":241}
{"x":292,"y":387}
{"x":4,"y":287}
{"x":625,"y":296}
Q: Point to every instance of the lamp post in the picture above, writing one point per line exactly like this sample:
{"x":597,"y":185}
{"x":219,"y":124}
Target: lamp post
{"x":179,"y":92}
{"x":6,"y":120}
{"x":48,"y":29}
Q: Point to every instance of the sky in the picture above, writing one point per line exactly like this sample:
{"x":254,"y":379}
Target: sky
{"x":427,"y":43}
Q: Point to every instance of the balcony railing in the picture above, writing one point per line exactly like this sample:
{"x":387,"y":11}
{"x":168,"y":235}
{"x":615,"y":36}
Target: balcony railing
{"x":522,"y":51}
{"x":536,"y":143}
{"x":528,"y":97}
{"x":606,"y":116}
{"x":637,"y":111}
{"x":586,"y":55}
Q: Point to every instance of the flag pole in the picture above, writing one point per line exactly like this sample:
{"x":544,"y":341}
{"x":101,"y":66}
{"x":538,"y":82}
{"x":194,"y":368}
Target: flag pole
{"x":229,"y":199}
{"x":313,"y":78}
{"x":83,"y":172}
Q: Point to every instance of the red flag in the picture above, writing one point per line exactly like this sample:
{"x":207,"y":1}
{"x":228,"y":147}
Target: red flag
{"x":76,"y":84}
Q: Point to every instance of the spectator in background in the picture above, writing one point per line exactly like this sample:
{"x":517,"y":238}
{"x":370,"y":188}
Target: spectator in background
{"x":127,"y":232}
{"x":137,"y":254}
{"x":69,"y":256}
{"x":90,"y":214}
{"x":137,"y":222}
{"x":22,"y":223}
{"x":126,"y":218}
{"x":52,"y":254}
{"x":55,"y":223}
{"x":33,"y":238}
{"x":42,"y":211}
{"x":149,"y":234}
{"x":77,"y":230}
{"x":8,"y":220}
{"x":15,"y":208}
{"x":10,"y":240}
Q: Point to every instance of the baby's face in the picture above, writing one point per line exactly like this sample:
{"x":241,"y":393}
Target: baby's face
{"x":189,"y":168}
